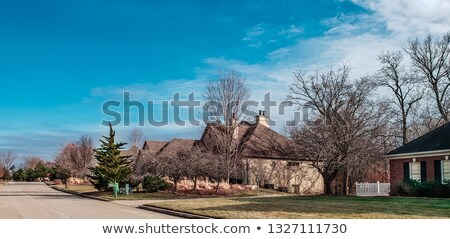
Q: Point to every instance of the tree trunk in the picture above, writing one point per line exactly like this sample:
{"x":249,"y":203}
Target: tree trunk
{"x":218,"y":183}
{"x":328,"y":178}
{"x":327,"y":185}
{"x":345,"y":184}
{"x":175,"y":185}
{"x":195,"y":183}
{"x":439,"y":103}
{"x":404,"y":129}
{"x":247,"y":179}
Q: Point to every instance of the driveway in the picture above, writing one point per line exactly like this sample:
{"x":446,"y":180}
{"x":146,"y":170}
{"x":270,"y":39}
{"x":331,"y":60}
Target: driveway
{"x":38,"y":201}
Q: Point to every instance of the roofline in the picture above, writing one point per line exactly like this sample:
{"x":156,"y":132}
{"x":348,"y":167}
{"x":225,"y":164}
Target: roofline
{"x":434,"y":153}
{"x":274,"y":158}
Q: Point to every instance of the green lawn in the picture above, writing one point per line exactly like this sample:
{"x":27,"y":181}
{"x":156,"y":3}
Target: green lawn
{"x":314,"y":207}
{"x":90,"y":190}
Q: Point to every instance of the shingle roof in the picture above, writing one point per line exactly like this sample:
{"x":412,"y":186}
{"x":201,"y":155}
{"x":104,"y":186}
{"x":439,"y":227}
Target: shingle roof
{"x":437,"y":139}
{"x":266,"y":143}
{"x":174,"y":146}
{"x":153,"y":146}
{"x":255,"y":140}
{"x":126,"y":152}
{"x":131,"y":152}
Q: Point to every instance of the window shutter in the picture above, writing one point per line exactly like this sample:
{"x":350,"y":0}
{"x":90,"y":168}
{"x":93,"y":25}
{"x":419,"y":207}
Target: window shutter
{"x":437,"y":171}
{"x":423,"y":171}
{"x":406,"y":171}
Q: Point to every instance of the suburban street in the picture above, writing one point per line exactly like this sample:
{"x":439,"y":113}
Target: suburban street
{"x":38,"y":201}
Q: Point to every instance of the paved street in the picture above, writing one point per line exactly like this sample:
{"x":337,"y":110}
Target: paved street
{"x":37,"y":200}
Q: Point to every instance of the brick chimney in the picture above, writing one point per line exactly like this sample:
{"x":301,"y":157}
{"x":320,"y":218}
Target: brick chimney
{"x":262,"y":119}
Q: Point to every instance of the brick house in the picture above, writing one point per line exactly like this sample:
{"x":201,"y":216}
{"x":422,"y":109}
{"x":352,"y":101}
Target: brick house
{"x":425,"y":159}
{"x":267,"y":157}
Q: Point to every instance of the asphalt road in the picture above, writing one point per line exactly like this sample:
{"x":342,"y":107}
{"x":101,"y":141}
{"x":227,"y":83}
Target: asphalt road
{"x":38,"y":201}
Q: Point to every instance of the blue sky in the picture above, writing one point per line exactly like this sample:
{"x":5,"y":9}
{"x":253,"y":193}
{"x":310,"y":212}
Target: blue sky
{"x":60,"y":61}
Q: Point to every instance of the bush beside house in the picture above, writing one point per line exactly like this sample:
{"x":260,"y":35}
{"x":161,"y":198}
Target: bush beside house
{"x":416,"y":188}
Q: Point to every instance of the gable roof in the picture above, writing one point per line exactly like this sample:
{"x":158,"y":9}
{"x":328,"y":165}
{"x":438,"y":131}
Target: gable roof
{"x":131,"y":152}
{"x":264,"y":142}
{"x":174,"y":146}
{"x":126,"y":153}
{"x":255,"y":140}
{"x":153,"y":146}
{"x":437,"y":140}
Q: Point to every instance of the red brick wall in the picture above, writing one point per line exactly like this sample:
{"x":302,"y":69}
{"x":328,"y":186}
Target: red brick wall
{"x":396,"y":170}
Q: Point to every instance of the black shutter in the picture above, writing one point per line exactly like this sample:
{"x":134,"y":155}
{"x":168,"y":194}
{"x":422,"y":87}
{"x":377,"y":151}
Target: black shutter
{"x":406,"y":175}
{"x":423,"y":171}
{"x":437,"y":171}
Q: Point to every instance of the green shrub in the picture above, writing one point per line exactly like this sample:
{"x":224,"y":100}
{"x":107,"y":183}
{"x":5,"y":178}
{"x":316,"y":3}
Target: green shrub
{"x":416,"y":188}
{"x":154,"y":184}
{"x":101,"y":184}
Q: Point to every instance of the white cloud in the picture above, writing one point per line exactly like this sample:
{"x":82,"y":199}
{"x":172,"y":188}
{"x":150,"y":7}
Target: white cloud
{"x":351,"y":39}
{"x":254,"y":35}
{"x":408,"y":17}
{"x":254,"y":32}
{"x":262,"y":33}
{"x":292,"y":31}
{"x":355,"y":39}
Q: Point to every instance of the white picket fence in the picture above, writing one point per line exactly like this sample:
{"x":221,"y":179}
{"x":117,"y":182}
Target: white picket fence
{"x":373,"y":189}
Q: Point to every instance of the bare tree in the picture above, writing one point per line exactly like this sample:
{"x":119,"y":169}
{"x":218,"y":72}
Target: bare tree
{"x":224,"y":100}
{"x":425,"y":118}
{"x":173,"y":167}
{"x":136,"y":138}
{"x":7,"y":160}
{"x":225,"y":97}
{"x":75,"y":159}
{"x":347,"y":122}
{"x":190,"y":164}
{"x":30,"y":162}
{"x":405,"y":87}
{"x":431,"y":57}
{"x":67,"y":160}
{"x":86,"y":159}
{"x":215,"y":168}
{"x":196,"y":163}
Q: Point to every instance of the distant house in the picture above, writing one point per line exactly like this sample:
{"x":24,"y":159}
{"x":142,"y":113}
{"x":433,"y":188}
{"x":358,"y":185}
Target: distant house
{"x":267,"y":156}
{"x":153,"y":146}
{"x":132,"y":152}
{"x":425,"y":159}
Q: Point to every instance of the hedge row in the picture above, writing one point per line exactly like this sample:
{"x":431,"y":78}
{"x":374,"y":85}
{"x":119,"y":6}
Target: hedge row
{"x":416,"y":188}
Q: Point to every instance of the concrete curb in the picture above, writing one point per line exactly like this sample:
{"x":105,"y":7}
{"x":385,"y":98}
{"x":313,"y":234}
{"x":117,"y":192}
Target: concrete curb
{"x":174,"y":212}
{"x":79,"y":194}
{"x":144,"y":207}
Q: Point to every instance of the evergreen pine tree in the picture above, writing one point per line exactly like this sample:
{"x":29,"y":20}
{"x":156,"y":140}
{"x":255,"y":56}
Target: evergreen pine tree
{"x":111,"y":167}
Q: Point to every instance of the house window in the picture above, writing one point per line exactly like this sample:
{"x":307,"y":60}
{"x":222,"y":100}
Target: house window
{"x":414,"y":171}
{"x":445,"y":168}
{"x":293,"y":164}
